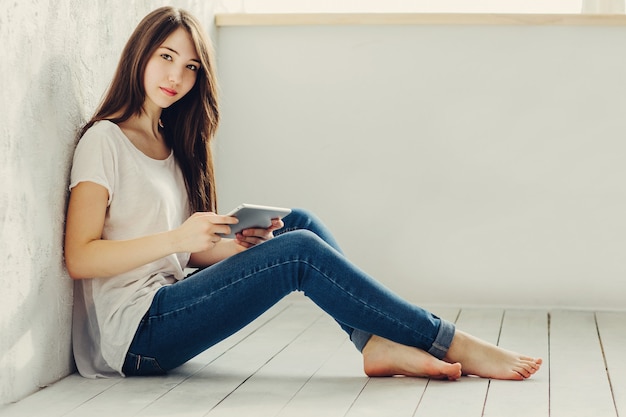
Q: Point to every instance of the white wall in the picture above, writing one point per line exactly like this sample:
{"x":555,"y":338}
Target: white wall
{"x":457,"y":164}
{"x":58,"y":58}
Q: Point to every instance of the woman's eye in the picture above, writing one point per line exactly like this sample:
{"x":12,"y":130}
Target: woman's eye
{"x":166,"y":57}
{"x":192,"y":67}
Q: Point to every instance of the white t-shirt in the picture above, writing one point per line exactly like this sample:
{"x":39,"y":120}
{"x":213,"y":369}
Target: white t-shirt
{"x":146,"y":196}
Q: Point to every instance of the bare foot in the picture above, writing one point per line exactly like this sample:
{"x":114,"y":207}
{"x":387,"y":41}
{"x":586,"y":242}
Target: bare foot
{"x":382,"y":357}
{"x":489,"y":361}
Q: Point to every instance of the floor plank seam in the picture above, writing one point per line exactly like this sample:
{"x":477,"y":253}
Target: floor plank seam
{"x":419,"y":401}
{"x":549,"y":364}
{"x":501,"y":325}
{"x":356,"y":397}
{"x":482,"y":412}
{"x":606,"y":364}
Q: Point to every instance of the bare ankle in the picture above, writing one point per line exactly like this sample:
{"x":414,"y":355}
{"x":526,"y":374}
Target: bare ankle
{"x":382,"y":357}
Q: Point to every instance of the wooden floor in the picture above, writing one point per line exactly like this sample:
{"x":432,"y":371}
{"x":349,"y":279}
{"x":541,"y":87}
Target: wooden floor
{"x":295,"y":361}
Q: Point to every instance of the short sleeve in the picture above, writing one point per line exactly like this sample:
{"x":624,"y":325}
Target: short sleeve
{"x":95,"y":160}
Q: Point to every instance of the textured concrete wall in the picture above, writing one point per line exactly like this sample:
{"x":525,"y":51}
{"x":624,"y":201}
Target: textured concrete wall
{"x":57,"y":61}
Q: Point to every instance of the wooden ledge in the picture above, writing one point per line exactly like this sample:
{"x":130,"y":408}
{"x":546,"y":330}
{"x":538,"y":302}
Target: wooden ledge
{"x":307,"y":19}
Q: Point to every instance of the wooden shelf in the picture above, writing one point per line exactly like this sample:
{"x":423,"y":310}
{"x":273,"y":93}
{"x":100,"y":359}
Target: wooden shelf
{"x":296,"y":19}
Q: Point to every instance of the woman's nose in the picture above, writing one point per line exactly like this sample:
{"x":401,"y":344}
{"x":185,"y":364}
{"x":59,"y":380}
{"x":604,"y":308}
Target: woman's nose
{"x":175,"y":75}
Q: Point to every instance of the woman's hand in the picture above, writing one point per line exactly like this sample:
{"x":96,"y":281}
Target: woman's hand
{"x":251,"y":237}
{"x":219,"y":249}
{"x":202,"y":231}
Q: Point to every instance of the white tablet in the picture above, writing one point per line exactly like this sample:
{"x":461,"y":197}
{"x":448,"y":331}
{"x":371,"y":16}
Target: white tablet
{"x":253,"y":215}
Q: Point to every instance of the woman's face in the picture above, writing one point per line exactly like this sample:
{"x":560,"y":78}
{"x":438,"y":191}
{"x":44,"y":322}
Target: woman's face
{"x":172,"y":70}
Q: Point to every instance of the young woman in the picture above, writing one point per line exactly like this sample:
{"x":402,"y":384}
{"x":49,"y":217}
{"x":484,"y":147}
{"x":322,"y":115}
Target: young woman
{"x":143,"y":207}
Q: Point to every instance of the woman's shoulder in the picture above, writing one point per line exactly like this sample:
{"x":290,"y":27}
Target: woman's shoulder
{"x":102,"y":132}
{"x":102,"y":128}
{"x":102,"y":138}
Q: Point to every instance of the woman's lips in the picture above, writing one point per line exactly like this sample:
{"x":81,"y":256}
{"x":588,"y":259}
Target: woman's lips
{"x":168,"y":91}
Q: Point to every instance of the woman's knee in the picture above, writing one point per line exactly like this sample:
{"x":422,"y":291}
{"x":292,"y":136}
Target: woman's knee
{"x":302,"y":219}
{"x":304,"y":245}
{"x":299,"y":216}
{"x":301,"y":239}
{"x":299,"y":219}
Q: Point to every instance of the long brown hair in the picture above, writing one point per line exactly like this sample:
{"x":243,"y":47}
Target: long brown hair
{"x":190,"y":123}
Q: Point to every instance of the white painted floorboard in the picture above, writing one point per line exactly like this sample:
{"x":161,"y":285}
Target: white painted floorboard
{"x":295,"y":361}
{"x":523,"y":331}
{"x":579,"y":383}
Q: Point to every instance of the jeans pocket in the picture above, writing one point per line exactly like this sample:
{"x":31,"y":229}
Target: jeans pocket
{"x":138,"y":365}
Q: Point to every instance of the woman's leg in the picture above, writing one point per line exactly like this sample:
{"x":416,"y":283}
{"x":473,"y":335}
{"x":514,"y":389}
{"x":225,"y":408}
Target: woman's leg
{"x":192,"y":315}
{"x":300,"y":219}
{"x":384,"y":357}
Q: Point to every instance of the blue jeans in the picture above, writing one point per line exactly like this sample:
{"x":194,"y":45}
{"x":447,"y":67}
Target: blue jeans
{"x":190,"y":316}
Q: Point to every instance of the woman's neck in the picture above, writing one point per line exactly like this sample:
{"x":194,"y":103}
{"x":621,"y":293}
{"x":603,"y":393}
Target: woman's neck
{"x":144,"y":132}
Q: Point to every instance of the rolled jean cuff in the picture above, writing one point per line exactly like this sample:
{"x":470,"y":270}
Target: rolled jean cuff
{"x":442,"y":342}
{"x":360,"y":338}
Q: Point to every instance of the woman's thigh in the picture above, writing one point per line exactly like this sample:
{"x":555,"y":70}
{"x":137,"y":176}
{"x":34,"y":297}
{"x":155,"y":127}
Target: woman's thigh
{"x":191,"y":315}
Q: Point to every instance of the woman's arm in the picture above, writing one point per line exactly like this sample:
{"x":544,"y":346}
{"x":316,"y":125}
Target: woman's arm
{"x":87,"y":255}
{"x":222,"y":250}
